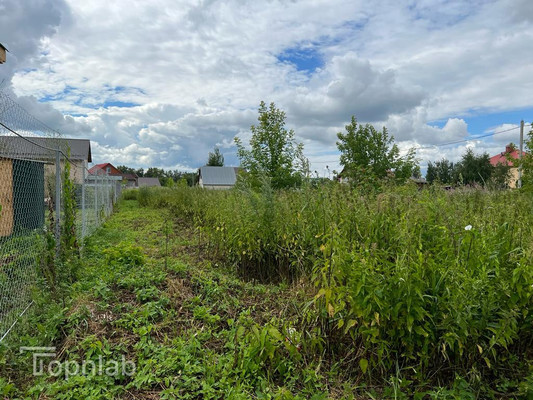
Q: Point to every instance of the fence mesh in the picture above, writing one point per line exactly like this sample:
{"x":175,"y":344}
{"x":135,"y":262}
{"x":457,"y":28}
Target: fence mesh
{"x":46,"y":195}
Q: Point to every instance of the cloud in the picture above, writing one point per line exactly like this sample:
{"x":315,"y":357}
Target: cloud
{"x":160,"y":84}
{"x":349,"y":86}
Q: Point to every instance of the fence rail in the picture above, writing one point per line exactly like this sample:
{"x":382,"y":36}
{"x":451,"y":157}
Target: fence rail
{"x":46,"y":195}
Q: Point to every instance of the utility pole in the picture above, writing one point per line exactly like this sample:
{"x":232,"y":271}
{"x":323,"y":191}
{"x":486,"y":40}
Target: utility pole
{"x":520,"y":154}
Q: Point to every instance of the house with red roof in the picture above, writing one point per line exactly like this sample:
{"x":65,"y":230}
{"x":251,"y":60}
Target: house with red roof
{"x":507,"y":157}
{"x":105,"y":169}
{"x":130,"y":180}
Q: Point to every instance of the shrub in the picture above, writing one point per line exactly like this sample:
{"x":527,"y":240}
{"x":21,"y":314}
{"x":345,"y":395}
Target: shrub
{"x":130,"y":194}
{"x":422,"y":283}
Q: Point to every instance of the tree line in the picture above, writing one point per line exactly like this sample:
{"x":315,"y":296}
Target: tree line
{"x":166,"y":177}
{"x":472,"y":169}
{"x":368,"y":157}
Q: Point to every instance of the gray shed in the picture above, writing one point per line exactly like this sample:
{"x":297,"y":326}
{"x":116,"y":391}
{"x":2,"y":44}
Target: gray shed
{"x":217,"y":177}
{"x":148,"y":182}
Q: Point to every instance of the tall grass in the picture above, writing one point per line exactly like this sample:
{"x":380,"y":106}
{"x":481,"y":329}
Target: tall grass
{"x":403,"y":284}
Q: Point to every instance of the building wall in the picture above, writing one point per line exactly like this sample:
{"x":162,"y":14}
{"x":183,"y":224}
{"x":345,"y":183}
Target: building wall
{"x":6,"y":197}
{"x":513,"y":177}
{"x":76,"y":170}
{"x":217,"y":187}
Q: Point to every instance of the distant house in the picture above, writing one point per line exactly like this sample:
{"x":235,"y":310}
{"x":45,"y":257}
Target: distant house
{"x":44,"y":149}
{"x":506,"y":158}
{"x":131,"y":180}
{"x":105,"y":169}
{"x":148,"y":182}
{"x":219,"y":178}
{"x":3,"y":51}
{"x":420,"y":182}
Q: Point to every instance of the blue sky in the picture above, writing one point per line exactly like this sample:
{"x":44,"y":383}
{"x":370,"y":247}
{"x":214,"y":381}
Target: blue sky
{"x":305,"y":59}
{"x":160,"y":84}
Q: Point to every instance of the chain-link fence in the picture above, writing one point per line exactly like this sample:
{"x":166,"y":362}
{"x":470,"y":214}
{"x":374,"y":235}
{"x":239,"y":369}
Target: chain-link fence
{"x":48,"y":199}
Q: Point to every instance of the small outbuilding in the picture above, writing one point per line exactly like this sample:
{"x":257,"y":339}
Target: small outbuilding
{"x":148,"y":182}
{"x":219,"y":178}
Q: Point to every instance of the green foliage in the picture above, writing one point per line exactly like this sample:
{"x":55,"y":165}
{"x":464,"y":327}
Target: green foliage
{"x":501,"y":176}
{"x":441,"y":171}
{"x":369,"y":155}
{"x":215,"y":159}
{"x":527,"y":162}
{"x":401,"y":294}
{"x":69,"y":241}
{"x":474,"y":169}
{"x":130,"y":194}
{"x":273,"y":151}
{"x":398,"y":275}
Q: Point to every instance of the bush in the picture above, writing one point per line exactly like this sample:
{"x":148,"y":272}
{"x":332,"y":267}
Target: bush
{"x":422,"y":283}
{"x":130,"y":194}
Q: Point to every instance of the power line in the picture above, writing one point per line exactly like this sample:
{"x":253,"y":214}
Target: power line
{"x":442,"y":144}
{"x":467,"y":140}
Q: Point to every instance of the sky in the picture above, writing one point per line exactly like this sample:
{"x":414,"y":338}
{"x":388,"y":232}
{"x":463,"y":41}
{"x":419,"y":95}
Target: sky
{"x":161,"y":82}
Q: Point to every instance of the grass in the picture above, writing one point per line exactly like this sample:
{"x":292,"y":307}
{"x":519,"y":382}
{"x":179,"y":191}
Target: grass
{"x":343,"y":296}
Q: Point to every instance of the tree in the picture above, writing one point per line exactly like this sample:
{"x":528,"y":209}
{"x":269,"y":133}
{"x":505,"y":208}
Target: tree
{"x":417,"y":173}
{"x":441,"y":171}
{"x":215,"y":159}
{"x":126,"y":170}
{"x":369,"y":154}
{"x":431,"y":173}
{"x":500,"y":177}
{"x":273,"y":151}
{"x":473,"y":169}
{"x":527,"y":162}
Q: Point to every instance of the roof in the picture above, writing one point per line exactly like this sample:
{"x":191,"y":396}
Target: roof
{"x":218,"y":176}
{"x":43,"y":148}
{"x":419,"y":180}
{"x":102,"y":167}
{"x":3,"y":47}
{"x":503,"y":158}
{"x":148,"y":182}
{"x":130,"y":176}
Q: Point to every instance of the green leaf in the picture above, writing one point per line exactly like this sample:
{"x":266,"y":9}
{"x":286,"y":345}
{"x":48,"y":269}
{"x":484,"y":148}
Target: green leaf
{"x":363,"y":364}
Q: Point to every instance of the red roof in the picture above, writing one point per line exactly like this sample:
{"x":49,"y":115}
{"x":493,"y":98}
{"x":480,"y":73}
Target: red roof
{"x":102,"y":170}
{"x":502,"y":158}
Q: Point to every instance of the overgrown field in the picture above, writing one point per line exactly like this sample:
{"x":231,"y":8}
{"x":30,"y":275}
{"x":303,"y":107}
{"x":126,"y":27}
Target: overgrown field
{"x":316,"y":293}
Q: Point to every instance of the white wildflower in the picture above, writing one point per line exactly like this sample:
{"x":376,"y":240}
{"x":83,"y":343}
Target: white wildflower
{"x":468,"y":228}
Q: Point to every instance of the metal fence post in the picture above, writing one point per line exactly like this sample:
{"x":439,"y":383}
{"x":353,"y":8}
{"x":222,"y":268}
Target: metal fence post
{"x":83,"y":213}
{"x":58,"y":202}
{"x":95,"y":182}
{"x":102,"y":200}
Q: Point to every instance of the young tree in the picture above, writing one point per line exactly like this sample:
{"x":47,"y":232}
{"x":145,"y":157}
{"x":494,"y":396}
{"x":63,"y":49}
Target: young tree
{"x":215,"y":159}
{"x":500,"y":177}
{"x":431,"y":173}
{"x":367,"y":153}
{"x":273,"y":151}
